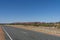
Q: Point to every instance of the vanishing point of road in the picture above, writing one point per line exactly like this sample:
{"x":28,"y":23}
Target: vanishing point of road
{"x":12,"y":33}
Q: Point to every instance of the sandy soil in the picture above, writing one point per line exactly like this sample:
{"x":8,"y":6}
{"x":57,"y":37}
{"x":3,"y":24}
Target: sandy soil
{"x":51,"y":31}
{"x":1,"y":34}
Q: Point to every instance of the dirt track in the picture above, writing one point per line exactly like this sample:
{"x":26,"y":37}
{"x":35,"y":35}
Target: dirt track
{"x":1,"y":34}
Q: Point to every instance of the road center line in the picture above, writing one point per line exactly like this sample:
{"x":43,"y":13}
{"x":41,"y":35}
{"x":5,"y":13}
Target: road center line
{"x":7,"y":33}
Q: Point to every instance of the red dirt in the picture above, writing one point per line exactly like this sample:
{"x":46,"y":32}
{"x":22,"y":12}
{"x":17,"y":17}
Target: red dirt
{"x":1,"y":34}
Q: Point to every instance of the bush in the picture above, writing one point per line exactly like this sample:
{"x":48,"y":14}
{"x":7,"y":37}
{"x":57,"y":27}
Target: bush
{"x":58,"y":26}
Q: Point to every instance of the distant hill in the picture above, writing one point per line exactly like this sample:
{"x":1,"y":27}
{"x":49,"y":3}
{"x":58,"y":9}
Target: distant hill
{"x":18,"y":23}
{"x":31,"y":23}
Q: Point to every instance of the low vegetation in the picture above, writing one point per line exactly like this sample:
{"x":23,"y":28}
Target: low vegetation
{"x":37,"y":24}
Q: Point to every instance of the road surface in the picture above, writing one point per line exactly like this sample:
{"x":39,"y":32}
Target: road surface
{"x":12,"y":33}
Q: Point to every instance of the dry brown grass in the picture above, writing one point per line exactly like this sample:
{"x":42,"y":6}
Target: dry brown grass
{"x":39,"y":29}
{"x":1,"y":34}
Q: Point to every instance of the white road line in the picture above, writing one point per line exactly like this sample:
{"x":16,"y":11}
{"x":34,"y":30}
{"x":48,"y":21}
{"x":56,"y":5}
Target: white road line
{"x":7,"y":34}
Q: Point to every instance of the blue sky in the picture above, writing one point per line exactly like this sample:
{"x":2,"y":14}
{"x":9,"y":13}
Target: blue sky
{"x":29,"y":11}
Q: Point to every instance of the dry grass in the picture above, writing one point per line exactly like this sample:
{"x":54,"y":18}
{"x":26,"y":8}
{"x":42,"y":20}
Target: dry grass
{"x":1,"y":34}
{"x":47,"y":30}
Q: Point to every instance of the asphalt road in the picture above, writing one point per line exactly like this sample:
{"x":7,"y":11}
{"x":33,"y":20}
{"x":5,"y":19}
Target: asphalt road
{"x":22,"y":34}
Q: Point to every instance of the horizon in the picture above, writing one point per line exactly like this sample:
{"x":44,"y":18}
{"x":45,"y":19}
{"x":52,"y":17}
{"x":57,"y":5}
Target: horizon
{"x":29,"y":22}
{"x":29,"y":11}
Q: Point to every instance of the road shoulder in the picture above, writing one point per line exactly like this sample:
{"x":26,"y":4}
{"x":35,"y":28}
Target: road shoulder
{"x":2,"y":37}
